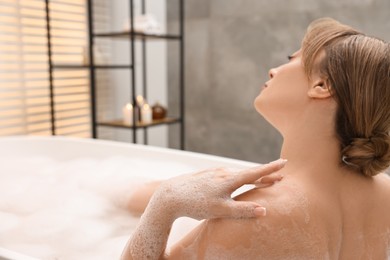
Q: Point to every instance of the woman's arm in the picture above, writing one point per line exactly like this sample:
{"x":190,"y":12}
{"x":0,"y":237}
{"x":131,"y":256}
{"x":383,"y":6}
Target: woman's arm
{"x":150,"y":237}
{"x":204,"y":195}
{"x":139,"y":199}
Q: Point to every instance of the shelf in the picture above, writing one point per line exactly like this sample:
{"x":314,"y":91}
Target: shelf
{"x":96,"y":66}
{"x":121,"y":124}
{"x":138,"y":35}
{"x":132,"y":36}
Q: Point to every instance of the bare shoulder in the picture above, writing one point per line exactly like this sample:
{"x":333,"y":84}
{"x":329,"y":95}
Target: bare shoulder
{"x":287,"y":231}
{"x":302,"y":222}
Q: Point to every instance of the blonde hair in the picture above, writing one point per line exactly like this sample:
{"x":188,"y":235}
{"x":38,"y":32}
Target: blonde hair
{"x":357,"y":69}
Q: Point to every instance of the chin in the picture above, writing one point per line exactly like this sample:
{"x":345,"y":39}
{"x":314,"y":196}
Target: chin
{"x":265,"y":111}
{"x":260,"y":107}
{"x":258,"y":104}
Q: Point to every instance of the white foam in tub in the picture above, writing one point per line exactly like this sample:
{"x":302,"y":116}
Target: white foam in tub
{"x":58,"y":195}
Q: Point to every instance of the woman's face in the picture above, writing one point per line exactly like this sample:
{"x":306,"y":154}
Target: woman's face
{"x":285,"y":95}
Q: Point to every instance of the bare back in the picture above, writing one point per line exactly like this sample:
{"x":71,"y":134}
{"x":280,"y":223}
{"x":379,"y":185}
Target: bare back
{"x":365,"y":220}
{"x":303,"y":221}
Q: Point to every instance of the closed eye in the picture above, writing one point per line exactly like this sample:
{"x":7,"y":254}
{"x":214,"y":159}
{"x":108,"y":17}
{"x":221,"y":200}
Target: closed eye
{"x":289,"y":57}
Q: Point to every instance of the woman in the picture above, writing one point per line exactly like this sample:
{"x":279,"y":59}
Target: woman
{"x":331,"y":103}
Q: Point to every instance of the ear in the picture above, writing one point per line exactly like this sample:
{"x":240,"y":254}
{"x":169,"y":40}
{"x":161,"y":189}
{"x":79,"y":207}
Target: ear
{"x":319,"y":89}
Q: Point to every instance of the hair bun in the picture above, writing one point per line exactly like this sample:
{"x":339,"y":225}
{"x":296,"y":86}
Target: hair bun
{"x":370,"y":155}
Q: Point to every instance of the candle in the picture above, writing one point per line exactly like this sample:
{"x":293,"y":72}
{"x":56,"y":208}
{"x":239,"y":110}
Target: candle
{"x":140,"y":100}
{"x":128,"y":114}
{"x":146,"y":114}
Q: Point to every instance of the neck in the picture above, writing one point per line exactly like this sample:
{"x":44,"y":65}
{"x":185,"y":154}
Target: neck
{"x":312,"y":148}
{"x":311,"y":151}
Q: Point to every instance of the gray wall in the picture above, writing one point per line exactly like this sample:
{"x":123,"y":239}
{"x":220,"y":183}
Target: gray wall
{"x":230,"y":46}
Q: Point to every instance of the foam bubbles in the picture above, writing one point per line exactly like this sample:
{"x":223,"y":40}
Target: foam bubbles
{"x":8,"y":221}
{"x":53,"y":209}
{"x":300,"y":202}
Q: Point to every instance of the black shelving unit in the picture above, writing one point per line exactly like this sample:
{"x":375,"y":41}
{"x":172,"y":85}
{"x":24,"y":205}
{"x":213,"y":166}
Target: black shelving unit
{"x":132,"y":36}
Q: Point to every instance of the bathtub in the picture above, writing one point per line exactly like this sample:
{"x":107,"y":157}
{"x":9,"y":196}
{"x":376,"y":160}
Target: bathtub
{"x":56,"y":194}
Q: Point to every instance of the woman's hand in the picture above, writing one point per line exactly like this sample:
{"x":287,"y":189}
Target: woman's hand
{"x":207,"y":194}
{"x":201,"y":195}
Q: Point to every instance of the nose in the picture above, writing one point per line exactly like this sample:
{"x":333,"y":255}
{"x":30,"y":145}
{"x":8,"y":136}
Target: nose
{"x":272,"y":73}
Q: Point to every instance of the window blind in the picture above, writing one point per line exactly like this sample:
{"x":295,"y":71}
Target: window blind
{"x":24,"y":68}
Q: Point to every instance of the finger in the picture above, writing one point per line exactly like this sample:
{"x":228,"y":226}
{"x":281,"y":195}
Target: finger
{"x":250,"y":175}
{"x":268,"y":180}
{"x":245,"y":209}
{"x":263,"y":185}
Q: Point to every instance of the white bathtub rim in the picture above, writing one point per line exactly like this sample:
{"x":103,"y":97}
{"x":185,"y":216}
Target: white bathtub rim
{"x":164,"y":150}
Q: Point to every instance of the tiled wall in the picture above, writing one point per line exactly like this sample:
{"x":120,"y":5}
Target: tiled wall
{"x":230,"y":46}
